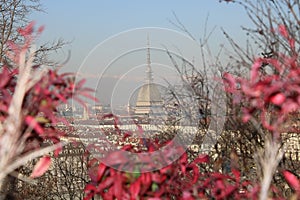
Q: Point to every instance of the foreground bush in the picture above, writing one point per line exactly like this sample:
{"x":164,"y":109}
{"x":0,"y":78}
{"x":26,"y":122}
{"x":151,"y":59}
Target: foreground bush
{"x":29,"y":97}
{"x":269,"y":99}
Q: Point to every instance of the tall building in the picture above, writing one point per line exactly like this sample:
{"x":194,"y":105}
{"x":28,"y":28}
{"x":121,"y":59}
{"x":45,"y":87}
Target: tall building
{"x":149,"y":101}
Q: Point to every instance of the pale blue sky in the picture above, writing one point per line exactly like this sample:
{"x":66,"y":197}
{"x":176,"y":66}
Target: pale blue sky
{"x":88,"y":23}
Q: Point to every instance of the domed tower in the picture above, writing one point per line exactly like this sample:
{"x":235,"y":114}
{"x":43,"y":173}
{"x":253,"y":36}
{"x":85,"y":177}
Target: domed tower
{"x":149,"y":102}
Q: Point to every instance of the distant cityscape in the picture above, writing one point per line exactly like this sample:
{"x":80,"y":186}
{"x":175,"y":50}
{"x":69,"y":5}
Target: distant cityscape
{"x":150,"y":112}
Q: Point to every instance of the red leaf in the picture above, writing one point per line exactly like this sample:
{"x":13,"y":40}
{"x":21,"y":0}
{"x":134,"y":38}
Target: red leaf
{"x":237,"y":175}
{"x":90,"y":187}
{"x":118,"y":189}
{"x":166,"y":170}
{"x":231,"y":82}
{"x":135,"y":189}
{"x":246,"y":117}
{"x":196,"y":172}
{"x":80,"y":83}
{"x":60,"y":97}
{"x":146,"y":181}
{"x":277,"y":99}
{"x":100,"y":171}
{"x":90,"y":191}
{"x":31,"y":122}
{"x":5,"y":77}
{"x":292,"y":43}
{"x":3,"y":107}
{"x":158,"y":178}
{"x":41,"y":29}
{"x":255,"y":70}
{"x":58,"y":150}
{"x":202,"y":159}
{"x":106,"y":183}
{"x":26,"y":31}
{"x":292,"y":180}
{"x":283,"y":31}
{"x":187,"y":196}
{"x":41,"y":167}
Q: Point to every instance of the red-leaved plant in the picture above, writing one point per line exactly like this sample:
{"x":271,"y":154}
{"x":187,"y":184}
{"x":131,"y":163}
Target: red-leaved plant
{"x":179,"y":180}
{"x":271,"y":97}
{"x":274,"y":94}
{"x":29,"y":97}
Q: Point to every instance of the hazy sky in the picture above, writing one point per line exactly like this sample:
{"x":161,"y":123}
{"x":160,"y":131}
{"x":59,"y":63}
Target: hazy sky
{"x":109,"y":27}
{"x":87,"y":23}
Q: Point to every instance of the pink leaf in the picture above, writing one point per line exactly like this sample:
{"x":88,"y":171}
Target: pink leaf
{"x":292,"y":43}
{"x":196,"y":172}
{"x":41,"y":167}
{"x":246,"y":118}
{"x":58,"y":150}
{"x":277,"y":99}
{"x":106,"y":183}
{"x":135,"y":189}
{"x":237,"y":174}
{"x":5,"y":77}
{"x":80,"y":83}
{"x":145,"y":180}
{"x":282,"y":30}
{"x":292,"y":180}
{"x":187,"y":195}
{"x":26,"y":31}
{"x":255,"y":70}
{"x":118,"y":189}
{"x":90,"y":191}
{"x":100,"y":171}
{"x":158,"y":178}
{"x":31,"y":122}
{"x":41,"y":29}
{"x":90,"y":187}
{"x":231,"y":82}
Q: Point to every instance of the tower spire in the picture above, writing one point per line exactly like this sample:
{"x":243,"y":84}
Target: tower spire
{"x":149,"y":72}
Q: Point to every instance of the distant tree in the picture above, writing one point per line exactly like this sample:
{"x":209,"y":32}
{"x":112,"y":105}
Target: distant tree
{"x":65,"y":179}
{"x":266,"y":16}
{"x":14,"y":14}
